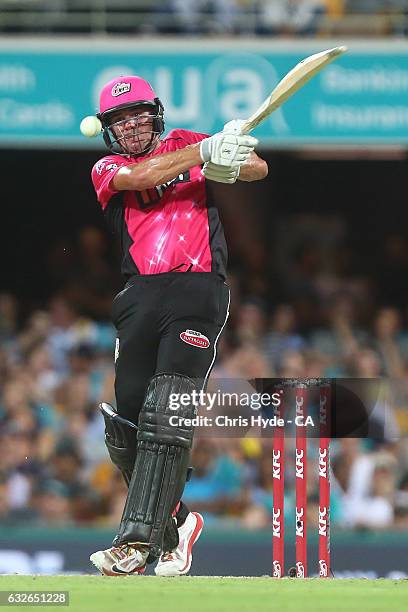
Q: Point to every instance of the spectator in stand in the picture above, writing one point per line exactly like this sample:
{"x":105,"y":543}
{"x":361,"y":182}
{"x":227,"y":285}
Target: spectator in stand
{"x":389,"y":342}
{"x":93,"y":282}
{"x":8,"y":317}
{"x":370,"y":7}
{"x":401,"y":504}
{"x":201,"y":16}
{"x":282,"y":336}
{"x":251,"y":322}
{"x":217,"y":484}
{"x":290,"y":16}
{"x":371,"y":490}
{"x":258,"y":512}
{"x":51,"y":504}
{"x":391,"y":276}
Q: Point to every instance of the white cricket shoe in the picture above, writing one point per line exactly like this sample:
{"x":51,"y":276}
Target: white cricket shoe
{"x":126,"y":560}
{"x":178,"y":562}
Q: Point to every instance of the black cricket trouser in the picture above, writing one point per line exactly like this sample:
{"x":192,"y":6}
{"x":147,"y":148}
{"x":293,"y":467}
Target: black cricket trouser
{"x":154,"y":315}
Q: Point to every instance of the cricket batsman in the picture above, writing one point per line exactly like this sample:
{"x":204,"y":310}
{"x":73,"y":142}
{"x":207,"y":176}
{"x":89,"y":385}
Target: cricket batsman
{"x":170,"y":314}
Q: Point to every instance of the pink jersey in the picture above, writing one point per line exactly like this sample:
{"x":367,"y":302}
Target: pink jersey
{"x":172,"y":227}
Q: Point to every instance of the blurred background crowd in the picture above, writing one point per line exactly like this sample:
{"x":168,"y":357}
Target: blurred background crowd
{"x":308,"y":315}
{"x":209,"y":17}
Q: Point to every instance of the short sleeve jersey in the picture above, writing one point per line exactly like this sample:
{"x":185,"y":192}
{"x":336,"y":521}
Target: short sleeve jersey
{"x":171,"y":227}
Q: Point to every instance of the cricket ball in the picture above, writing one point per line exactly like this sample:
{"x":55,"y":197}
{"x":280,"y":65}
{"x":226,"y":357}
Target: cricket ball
{"x":90,"y":126}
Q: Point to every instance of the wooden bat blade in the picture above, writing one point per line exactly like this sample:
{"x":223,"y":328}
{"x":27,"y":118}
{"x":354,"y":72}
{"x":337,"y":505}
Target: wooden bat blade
{"x":291,"y":83}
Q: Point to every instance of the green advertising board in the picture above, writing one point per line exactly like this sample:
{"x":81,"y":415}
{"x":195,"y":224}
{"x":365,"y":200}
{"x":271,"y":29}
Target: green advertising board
{"x":46,"y":88}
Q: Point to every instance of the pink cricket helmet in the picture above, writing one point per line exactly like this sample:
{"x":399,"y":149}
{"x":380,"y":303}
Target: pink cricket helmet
{"x":123,"y":93}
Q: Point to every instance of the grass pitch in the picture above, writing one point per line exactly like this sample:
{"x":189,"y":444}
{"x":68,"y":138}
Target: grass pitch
{"x":212,"y":594}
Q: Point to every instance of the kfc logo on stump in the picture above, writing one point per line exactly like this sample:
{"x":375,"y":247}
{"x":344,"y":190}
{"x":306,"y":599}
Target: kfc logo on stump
{"x":300,"y":525}
{"x":195,"y":338}
{"x":323,"y":521}
{"x":300,"y":466}
{"x":276,"y":523}
{"x":276,"y":464}
{"x":323,"y":460}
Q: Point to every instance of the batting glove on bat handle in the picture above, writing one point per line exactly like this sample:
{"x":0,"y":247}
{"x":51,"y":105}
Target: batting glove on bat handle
{"x":221,"y":174}
{"x":234,"y":127}
{"x":207,"y":145}
{"x":227,"y":149}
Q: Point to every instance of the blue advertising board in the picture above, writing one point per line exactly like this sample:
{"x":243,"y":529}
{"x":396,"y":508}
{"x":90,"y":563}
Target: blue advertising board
{"x":47,"y":88}
{"x":355,"y":554}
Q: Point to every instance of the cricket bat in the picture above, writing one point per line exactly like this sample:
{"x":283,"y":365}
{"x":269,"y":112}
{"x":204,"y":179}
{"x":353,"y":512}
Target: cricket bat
{"x":291,"y":83}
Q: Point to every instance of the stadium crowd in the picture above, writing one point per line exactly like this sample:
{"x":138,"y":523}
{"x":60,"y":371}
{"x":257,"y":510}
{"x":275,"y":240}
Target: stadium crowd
{"x":209,"y":17}
{"x":56,"y":364}
{"x":285,"y":17}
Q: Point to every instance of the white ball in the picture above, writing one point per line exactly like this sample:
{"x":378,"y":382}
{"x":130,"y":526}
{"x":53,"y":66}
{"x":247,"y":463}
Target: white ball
{"x":90,"y":126}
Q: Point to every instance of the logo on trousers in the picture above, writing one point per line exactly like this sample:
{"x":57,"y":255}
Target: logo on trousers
{"x":195,"y":338}
{"x":276,"y":569}
{"x":323,"y":520}
{"x":300,"y":468}
{"x":276,"y":466}
{"x":323,"y":569}
{"x":300,"y":570}
{"x":299,"y":522}
{"x":276,"y":523}
{"x":323,"y":456}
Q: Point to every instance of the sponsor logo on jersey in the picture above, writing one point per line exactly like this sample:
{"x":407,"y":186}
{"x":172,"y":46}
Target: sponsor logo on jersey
{"x":149,"y":197}
{"x":102,"y":167}
{"x":195,"y":338}
{"x":120,"y":88}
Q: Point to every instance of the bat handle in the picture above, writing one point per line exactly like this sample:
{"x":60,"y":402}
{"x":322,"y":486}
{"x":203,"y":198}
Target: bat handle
{"x":246,"y":128}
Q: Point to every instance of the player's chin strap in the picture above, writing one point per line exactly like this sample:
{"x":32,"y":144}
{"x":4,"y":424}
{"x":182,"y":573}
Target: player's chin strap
{"x":161,"y":466}
{"x":121,"y":442}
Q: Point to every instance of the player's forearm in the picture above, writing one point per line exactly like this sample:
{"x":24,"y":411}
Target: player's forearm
{"x":255,"y":169}
{"x":157,"y":170}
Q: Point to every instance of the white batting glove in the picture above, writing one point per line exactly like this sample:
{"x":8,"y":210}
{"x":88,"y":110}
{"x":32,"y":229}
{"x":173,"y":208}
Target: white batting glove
{"x":220,"y":174}
{"x":233,"y":127}
{"x":227,"y":149}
